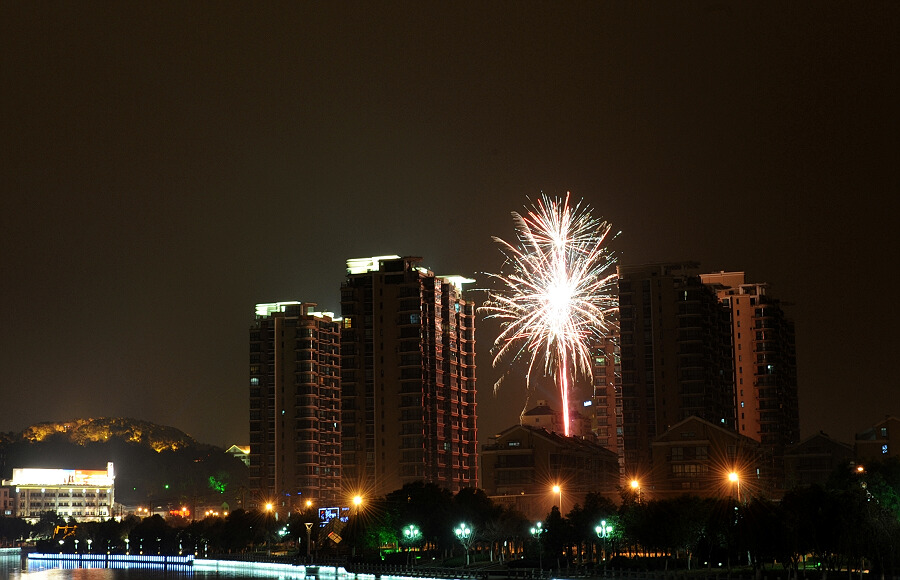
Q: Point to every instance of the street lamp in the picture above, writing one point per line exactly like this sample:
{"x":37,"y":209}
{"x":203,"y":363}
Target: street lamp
{"x":464,"y":535}
{"x":357,"y":501}
{"x":89,"y":541}
{"x":309,"y":526}
{"x":411,"y":535}
{"x":604,"y":531}
{"x":733,"y":478}
{"x":558,"y":490}
{"x":636,"y":488}
{"x":536,"y":531}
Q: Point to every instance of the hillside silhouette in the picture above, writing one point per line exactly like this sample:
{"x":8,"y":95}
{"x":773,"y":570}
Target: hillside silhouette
{"x":154,"y":464}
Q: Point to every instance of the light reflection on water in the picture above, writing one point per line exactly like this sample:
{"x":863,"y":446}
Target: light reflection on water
{"x":10,"y":567}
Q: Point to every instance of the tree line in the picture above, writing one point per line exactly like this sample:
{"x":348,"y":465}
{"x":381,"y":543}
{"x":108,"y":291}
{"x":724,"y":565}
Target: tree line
{"x":852,"y":523}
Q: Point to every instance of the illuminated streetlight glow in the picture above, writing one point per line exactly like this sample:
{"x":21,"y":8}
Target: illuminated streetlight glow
{"x":536,"y":531}
{"x":733,"y":478}
{"x":411,"y":535}
{"x":636,"y":488}
{"x":604,"y":531}
{"x":558,"y":490}
{"x":465,"y":536}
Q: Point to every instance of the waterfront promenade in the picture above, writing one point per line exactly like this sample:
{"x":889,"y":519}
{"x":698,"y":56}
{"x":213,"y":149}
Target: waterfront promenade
{"x":280,"y":567}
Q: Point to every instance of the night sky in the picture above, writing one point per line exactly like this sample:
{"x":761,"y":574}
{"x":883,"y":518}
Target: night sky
{"x":166,"y":165}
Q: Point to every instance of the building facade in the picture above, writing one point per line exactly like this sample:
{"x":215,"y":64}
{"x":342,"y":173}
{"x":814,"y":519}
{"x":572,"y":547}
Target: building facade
{"x":408,"y":377}
{"x":765,"y":367}
{"x":605,"y":411}
{"x":814,"y":460}
{"x":880,"y":441}
{"x":295,"y":387}
{"x":522,"y":464}
{"x":83,"y":494}
{"x":701,"y":458}
{"x":675,"y":353}
{"x":7,"y":500}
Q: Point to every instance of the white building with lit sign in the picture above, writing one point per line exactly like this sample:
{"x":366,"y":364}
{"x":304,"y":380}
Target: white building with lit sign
{"x":86,"y":495}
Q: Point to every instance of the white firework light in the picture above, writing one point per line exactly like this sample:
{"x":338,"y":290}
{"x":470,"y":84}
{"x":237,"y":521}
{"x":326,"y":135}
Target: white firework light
{"x":556,"y":293}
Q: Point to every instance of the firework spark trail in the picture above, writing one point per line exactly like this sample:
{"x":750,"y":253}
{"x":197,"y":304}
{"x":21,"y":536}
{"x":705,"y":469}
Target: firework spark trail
{"x":558,"y":294}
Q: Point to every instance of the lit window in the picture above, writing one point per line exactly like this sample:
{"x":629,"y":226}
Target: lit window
{"x":884,"y":448}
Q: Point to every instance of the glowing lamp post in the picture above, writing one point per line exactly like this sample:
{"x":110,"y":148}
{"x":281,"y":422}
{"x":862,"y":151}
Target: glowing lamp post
{"x":733,"y":478}
{"x":636,"y":489}
{"x":357,"y":501}
{"x":604,"y":530}
{"x":309,"y":526}
{"x":558,"y":491}
{"x":536,"y":531}
{"x":411,"y":535}
{"x":465,"y":536}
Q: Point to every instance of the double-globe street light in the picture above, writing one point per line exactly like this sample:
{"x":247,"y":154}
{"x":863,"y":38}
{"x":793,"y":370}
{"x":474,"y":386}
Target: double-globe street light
{"x":604,"y":531}
{"x":411,"y":535}
{"x":465,"y":535}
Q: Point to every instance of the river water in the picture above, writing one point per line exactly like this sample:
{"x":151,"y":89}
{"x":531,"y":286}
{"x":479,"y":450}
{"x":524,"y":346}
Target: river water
{"x":11,"y":568}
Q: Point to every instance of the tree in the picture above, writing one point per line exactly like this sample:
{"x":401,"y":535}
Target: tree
{"x":558,"y":535}
{"x":584,"y":520}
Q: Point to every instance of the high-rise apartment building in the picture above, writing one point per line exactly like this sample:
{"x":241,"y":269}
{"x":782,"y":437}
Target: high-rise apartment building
{"x":408,"y":377}
{"x":675,"y":351}
{"x":295,"y":389}
{"x":605,"y":410}
{"x":765,"y":367}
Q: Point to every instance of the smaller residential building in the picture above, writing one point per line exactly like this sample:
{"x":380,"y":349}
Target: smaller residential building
{"x":813,"y":460}
{"x":83,"y":494}
{"x":700,"y":458}
{"x":543,"y":417}
{"x":880,"y":441}
{"x":521,"y":466}
{"x":241,"y":452}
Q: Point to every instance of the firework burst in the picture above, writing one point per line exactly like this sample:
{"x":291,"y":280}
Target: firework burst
{"x":556,"y":292}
